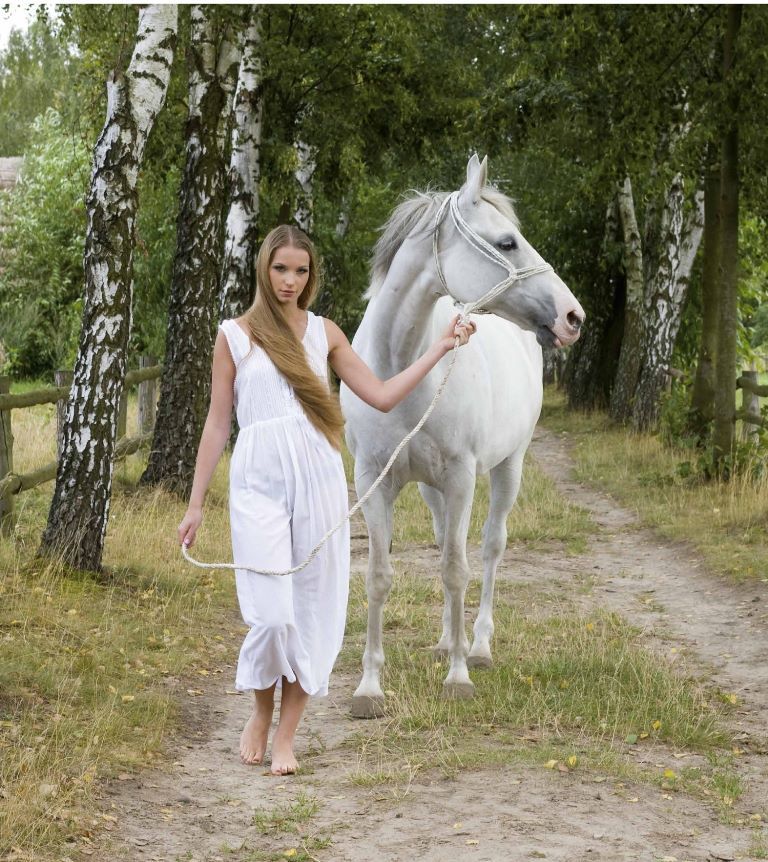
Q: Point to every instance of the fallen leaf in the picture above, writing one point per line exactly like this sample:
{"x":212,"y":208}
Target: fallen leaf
{"x":631,"y":739}
{"x":127,"y":698}
{"x":291,"y":851}
{"x":670,"y":774}
{"x":573,"y":761}
{"x":656,"y":725}
{"x":550,"y":764}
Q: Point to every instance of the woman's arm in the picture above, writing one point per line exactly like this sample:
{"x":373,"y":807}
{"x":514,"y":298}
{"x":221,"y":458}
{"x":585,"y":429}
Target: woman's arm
{"x":386,"y":394}
{"x":214,"y":437}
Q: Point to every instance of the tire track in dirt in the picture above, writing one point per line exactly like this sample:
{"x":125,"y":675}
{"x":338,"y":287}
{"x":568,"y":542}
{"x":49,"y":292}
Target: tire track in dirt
{"x":200,"y":807}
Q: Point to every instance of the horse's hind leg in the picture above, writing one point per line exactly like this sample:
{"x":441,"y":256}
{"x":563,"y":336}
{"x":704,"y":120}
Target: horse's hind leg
{"x":368,"y":699}
{"x":455,"y":570}
{"x":505,"y":483}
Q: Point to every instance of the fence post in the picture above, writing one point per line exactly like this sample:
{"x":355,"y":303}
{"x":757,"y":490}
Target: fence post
{"x":147,"y":397}
{"x":61,"y":378}
{"x":122,"y":414}
{"x":750,"y":403}
{"x":6,"y":460}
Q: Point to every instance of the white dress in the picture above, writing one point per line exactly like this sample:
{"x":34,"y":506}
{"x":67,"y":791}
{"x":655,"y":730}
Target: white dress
{"x":286,"y":489}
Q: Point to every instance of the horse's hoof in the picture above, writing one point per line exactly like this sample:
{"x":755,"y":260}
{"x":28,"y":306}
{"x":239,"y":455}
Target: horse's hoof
{"x":484,"y":661}
{"x":364,"y":706}
{"x":458,"y":690}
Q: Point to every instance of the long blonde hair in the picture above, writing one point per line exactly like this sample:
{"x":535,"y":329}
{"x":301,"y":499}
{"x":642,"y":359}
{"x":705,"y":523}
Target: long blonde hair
{"x":272,"y":332}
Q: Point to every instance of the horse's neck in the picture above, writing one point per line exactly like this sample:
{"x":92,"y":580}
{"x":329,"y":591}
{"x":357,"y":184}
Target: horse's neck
{"x":401,"y":314}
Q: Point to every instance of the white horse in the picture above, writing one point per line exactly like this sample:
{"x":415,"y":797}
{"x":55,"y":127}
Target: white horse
{"x":486,"y":415}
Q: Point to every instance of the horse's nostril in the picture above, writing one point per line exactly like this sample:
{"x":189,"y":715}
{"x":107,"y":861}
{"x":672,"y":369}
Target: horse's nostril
{"x":574,"y":321}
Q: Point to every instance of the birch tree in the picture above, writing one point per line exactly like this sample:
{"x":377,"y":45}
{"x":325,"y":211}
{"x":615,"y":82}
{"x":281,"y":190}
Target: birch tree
{"x":77,"y":519}
{"x":241,"y":230}
{"x":304,"y":175}
{"x":213,"y":60}
{"x":665,"y":294}
{"x":630,"y":359}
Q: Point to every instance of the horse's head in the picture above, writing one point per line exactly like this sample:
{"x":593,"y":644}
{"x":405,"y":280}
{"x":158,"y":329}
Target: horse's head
{"x":480,"y":247}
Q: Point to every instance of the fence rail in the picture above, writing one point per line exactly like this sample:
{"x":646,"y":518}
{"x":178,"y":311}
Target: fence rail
{"x":15,"y":483}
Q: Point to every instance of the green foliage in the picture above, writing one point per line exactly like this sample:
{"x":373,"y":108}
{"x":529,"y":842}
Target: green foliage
{"x":153,"y":258}
{"x":36,"y":72}
{"x":41,"y":251}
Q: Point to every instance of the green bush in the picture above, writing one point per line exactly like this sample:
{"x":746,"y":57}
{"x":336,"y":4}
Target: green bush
{"x":41,"y":252}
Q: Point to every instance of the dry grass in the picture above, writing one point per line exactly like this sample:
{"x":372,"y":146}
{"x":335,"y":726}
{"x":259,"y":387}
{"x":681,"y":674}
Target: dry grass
{"x":94,"y":668}
{"x":724,"y":521}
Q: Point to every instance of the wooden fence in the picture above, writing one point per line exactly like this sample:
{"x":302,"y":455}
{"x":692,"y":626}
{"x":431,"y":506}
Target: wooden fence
{"x":751,"y":393}
{"x":14,"y":483}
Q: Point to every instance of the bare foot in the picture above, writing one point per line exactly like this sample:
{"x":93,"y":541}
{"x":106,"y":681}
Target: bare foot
{"x":253,"y":739}
{"x":283,"y":761}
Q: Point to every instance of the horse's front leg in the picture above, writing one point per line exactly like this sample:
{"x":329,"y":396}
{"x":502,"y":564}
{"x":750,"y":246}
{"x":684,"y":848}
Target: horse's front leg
{"x":505,"y":483}
{"x":368,"y":699}
{"x":455,"y":570}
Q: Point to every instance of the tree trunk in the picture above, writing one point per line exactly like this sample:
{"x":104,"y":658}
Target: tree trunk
{"x":241,"y":231}
{"x":630,"y":359}
{"x":77,"y":519}
{"x":725,"y":361}
{"x":193,"y":305}
{"x":702,"y":409}
{"x":589,"y":369}
{"x":679,"y":242}
{"x":304,"y":174}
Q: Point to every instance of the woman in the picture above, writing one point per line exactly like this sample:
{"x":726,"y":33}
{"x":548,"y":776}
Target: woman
{"x":287,"y":484}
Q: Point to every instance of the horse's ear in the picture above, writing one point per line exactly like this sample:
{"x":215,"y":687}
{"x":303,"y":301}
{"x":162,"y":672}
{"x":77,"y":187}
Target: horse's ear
{"x":477,"y":179}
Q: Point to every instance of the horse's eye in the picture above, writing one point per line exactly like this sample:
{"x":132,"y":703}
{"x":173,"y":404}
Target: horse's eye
{"x":507,"y":244}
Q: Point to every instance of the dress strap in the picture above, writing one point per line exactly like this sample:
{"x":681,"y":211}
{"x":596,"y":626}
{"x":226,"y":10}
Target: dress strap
{"x":238,"y":341}
{"x":316,"y":336}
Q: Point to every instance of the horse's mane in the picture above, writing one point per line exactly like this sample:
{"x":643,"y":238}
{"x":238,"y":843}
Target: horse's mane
{"x":415,"y":215}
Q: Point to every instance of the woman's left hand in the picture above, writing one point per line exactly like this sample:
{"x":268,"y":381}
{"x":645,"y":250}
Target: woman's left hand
{"x":463,"y":331}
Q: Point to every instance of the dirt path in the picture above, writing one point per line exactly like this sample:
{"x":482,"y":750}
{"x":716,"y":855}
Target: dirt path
{"x":202,"y":808}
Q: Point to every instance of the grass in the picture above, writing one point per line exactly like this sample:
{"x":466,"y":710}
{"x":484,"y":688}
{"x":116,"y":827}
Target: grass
{"x":724,"y":521}
{"x":563,"y":685}
{"x":289,"y":823}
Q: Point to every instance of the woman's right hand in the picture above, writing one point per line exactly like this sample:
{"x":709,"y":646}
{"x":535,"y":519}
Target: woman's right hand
{"x":189,"y":525}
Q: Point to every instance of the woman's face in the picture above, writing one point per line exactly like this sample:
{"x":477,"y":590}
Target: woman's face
{"x":289,"y":274}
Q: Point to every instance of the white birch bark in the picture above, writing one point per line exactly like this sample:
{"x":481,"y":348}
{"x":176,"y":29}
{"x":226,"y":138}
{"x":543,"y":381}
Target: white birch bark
{"x":77,"y":519}
{"x":304,"y":175}
{"x":241,"y":230}
{"x":665,"y":296}
{"x":193,"y":306}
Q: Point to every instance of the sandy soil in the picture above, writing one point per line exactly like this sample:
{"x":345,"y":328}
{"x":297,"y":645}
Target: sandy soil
{"x":201,"y":807}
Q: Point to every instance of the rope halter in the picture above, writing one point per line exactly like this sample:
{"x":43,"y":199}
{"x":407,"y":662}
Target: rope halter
{"x":477,"y":306}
